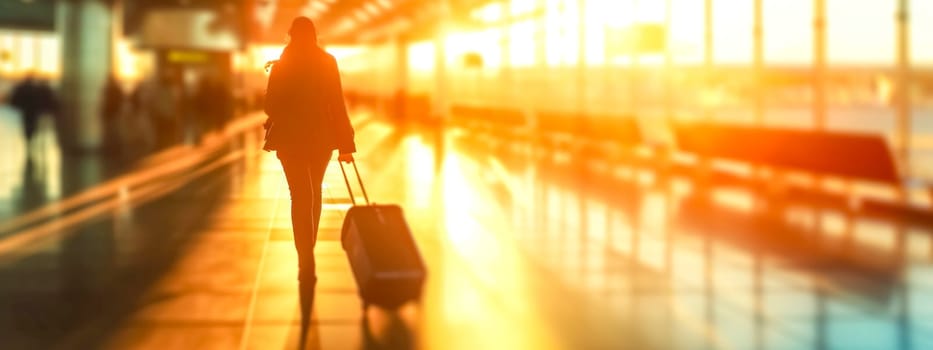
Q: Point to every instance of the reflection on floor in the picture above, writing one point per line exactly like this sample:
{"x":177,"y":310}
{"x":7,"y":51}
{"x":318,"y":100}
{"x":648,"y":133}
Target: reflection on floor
{"x":523,"y":253}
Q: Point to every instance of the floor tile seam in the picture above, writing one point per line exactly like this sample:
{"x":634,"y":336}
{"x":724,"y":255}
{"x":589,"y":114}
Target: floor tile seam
{"x":327,"y":267}
{"x":770,"y":316}
{"x":593,"y":267}
{"x":238,"y":218}
{"x":735,"y":309}
{"x":267,"y":322}
{"x":224,"y":236}
{"x":320,"y":291}
{"x":251,"y":308}
{"x":245,"y":236}
{"x":240,"y":205}
{"x":234,"y":218}
{"x":192,"y":289}
{"x":687,"y":292}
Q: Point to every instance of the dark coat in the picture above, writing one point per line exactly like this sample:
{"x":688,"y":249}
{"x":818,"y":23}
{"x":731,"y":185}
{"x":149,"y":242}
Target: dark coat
{"x":304,"y":102}
{"x":32,"y":98}
{"x":112,"y":102}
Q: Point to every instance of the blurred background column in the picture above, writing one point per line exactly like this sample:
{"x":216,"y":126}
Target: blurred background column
{"x":400,"y":52}
{"x":506,"y":76}
{"x":400,"y":46}
{"x":903,"y":103}
{"x":707,"y":54}
{"x":84,"y":26}
{"x":758,"y":58}
{"x":580,"y":87}
{"x":819,"y":64}
{"x":636,"y":82}
{"x":668,"y":65}
{"x":441,"y":99}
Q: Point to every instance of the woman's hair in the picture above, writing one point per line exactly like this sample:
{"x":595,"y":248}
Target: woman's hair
{"x":303,"y":31}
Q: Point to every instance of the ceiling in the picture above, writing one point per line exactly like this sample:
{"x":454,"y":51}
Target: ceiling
{"x":352,"y":21}
{"x":267,"y":21}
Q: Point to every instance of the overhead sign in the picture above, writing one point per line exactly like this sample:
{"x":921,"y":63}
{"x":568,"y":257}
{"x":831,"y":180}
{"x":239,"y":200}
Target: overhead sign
{"x":258,"y":21}
{"x":31,"y":14}
{"x":182,"y":56}
{"x":188,"y":28}
{"x":226,"y":16}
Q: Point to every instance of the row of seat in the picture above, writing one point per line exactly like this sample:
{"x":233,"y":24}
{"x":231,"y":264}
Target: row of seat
{"x":621,"y":130}
{"x":862,"y":157}
{"x":602,"y":136}
{"x":850,"y":157}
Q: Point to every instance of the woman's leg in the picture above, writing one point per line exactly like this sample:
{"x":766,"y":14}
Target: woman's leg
{"x":305,"y":175}
{"x":299,"y":186}
{"x":30,"y":125}
{"x":318,"y":166}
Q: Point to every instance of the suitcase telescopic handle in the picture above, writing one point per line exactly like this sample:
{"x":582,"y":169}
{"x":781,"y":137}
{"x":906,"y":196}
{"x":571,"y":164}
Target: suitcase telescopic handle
{"x":358,"y":178}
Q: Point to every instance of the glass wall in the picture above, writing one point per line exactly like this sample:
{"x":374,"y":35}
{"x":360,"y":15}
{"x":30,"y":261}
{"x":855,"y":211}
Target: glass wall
{"x":648,"y":59}
{"x":25,"y":51}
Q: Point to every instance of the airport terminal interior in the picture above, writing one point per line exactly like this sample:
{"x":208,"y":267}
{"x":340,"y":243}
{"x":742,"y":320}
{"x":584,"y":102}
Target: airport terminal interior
{"x":575,"y":174}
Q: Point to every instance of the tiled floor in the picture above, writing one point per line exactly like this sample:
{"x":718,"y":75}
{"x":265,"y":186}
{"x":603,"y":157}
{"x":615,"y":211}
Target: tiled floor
{"x":523,"y":253}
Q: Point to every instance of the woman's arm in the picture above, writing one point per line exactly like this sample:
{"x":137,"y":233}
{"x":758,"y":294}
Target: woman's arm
{"x":338,"y":111}
{"x":271,"y":103}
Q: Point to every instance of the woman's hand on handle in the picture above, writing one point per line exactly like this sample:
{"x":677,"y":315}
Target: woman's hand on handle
{"x":345,"y":157}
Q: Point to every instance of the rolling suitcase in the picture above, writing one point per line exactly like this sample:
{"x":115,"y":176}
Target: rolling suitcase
{"x":383,"y":255}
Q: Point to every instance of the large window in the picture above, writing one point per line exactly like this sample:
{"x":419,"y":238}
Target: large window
{"x":732,"y":31}
{"x":562,"y":38}
{"x":921,"y":32}
{"x":860,"y":31}
{"x":26,"y":51}
{"x":788,"y":31}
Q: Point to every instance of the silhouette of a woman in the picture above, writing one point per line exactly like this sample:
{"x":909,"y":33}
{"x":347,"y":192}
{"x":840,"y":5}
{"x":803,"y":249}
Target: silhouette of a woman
{"x":304,"y":102}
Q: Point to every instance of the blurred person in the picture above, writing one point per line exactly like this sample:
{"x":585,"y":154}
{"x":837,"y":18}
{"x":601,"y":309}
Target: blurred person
{"x":139,"y":130}
{"x":217,"y":110}
{"x":223,"y":92}
{"x":191,"y":120}
{"x":33,"y":97}
{"x":203,"y":107}
{"x":308,"y":120}
{"x":239,"y":99}
{"x":112,"y":107}
{"x":33,"y":189}
{"x":161,"y":101}
{"x":206,"y":105}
